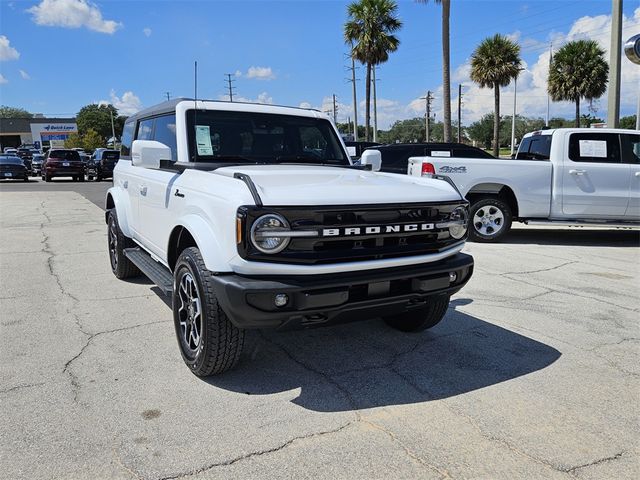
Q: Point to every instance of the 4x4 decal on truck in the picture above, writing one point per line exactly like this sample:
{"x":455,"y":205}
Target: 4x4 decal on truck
{"x":448,"y":169}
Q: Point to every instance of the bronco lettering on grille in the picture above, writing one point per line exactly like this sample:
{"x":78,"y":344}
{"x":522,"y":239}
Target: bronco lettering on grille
{"x":376,"y":230}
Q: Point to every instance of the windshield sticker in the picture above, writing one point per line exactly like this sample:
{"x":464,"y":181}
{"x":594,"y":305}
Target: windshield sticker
{"x":351,"y":151}
{"x":203,"y":140}
{"x":442,"y":153}
{"x":593,"y":148}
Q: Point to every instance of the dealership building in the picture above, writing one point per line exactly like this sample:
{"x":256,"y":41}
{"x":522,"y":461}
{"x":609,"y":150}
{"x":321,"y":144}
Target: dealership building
{"x":38,"y":131}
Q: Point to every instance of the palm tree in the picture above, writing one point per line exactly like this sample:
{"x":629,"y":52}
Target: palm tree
{"x":578,"y":70}
{"x":494,"y":63}
{"x":370,"y":31}
{"x":446,"y":76}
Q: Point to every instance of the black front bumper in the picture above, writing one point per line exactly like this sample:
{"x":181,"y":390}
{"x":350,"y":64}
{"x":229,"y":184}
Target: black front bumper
{"x":317,"y":300}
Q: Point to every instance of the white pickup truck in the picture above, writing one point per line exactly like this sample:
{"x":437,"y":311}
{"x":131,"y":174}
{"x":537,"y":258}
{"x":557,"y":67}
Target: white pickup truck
{"x":253,"y":216}
{"x":565,"y":177}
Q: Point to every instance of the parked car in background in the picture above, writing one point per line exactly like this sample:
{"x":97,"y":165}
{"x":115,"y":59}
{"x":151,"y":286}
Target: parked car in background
{"x":27,"y":156}
{"x":36,"y":164}
{"x":566,"y":176}
{"x":11,"y":151}
{"x":355,"y":149}
{"x":395,"y":157}
{"x":63,"y":163}
{"x":12,"y":168}
{"x":101,"y":164}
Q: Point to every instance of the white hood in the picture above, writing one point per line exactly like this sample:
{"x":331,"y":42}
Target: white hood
{"x":318,"y":185}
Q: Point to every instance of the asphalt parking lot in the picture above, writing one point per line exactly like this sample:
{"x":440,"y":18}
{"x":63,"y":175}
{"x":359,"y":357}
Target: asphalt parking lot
{"x":534,"y":373}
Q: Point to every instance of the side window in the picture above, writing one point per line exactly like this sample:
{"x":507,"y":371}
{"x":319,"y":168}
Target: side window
{"x":523,"y":151}
{"x":165,"y":132}
{"x":630,"y":148}
{"x":145,"y":130}
{"x":127,"y":138}
{"x":595,"y":147}
{"x":395,"y":160}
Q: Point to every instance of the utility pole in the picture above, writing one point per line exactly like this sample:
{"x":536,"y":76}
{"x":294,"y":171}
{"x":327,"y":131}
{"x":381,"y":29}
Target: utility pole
{"x":613,"y":106}
{"x":113,"y":130}
{"x":513,"y":117}
{"x":168,"y":96}
{"x":335,"y":110}
{"x":427,"y":114}
{"x":459,"y":113}
{"x":355,"y":102}
{"x":230,"y":86}
{"x":549,"y":96}
{"x":375,"y":106}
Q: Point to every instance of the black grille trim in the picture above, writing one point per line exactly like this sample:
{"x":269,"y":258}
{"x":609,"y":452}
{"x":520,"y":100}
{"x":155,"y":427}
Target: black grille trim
{"x":349,"y":248}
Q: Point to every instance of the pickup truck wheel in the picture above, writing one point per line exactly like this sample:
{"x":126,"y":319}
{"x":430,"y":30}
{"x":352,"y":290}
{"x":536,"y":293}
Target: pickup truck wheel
{"x":209,"y":343}
{"x":121,"y":266}
{"x":490,"y":220}
{"x":420,"y":319}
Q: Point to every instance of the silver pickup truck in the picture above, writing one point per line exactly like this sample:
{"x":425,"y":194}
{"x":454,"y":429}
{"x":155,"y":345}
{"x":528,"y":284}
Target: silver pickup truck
{"x":564,"y":176}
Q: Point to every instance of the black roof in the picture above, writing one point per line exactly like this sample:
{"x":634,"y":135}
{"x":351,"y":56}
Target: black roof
{"x":428,"y":145}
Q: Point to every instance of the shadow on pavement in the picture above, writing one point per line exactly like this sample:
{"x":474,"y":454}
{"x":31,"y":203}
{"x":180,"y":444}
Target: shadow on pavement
{"x":577,"y":237}
{"x":367,"y":364}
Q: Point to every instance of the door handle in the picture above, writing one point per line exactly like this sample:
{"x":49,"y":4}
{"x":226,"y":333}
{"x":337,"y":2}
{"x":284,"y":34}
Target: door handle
{"x":577,"y":172}
{"x":143,"y":190}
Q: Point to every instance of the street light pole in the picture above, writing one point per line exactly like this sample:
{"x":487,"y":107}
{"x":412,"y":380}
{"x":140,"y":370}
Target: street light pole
{"x":113,"y":130}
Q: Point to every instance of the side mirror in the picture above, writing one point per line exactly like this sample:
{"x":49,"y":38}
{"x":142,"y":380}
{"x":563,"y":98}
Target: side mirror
{"x":148,"y":153}
{"x":373,"y":158}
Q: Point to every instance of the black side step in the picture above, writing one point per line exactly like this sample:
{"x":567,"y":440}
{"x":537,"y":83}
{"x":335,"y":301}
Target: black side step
{"x":157,"y":273}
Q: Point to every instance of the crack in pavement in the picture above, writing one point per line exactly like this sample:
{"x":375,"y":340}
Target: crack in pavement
{"x":595,"y":462}
{"x":257,"y":453}
{"x":91,"y":337}
{"x":20,"y":387}
{"x":540,"y":270}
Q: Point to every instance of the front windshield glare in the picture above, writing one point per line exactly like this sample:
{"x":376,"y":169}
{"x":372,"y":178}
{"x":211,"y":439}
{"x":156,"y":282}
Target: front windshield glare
{"x":245,"y":137}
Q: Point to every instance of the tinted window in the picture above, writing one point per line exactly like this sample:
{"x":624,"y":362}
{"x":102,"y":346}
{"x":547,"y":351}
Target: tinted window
{"x":630,"y":148}
{"x":536,"y":147}
{"x":241,"y":137}
{"x":471,"y":152}
{"x":70,"y":155}
{"x":165,"y":132}
{"x":127,"y":138}
{"x":110,"y":155}
{"x":594,"y":147}
{"x":395,"y":160}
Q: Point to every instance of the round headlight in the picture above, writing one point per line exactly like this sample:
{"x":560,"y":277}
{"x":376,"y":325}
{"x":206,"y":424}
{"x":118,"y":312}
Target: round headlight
{"x":461,"y":218}
{"x":264,"y":233}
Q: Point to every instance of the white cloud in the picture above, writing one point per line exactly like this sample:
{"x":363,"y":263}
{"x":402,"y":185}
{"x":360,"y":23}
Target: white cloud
{"x":305,"y":105}
{"x":72,"y":14}
{"x":147,"y":31}
{"x":260,"y":73}
{"x":24,"y":75}
{"x":127,"y":105}
{"x":3,"y":80}
{"x":7,"y":52}
{"x":263,"y":98}
{"x":238,"y":73}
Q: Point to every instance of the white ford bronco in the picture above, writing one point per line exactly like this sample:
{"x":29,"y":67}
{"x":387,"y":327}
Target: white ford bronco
{"x":566,"y":176}
{"x":252,"y":216}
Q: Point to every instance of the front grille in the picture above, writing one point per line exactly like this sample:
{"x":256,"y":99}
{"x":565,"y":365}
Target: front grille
{"x":344,"y":244}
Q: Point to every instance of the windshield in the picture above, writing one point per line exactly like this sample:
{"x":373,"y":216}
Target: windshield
{"x":245,"y":137}
{"x":110,"y":155}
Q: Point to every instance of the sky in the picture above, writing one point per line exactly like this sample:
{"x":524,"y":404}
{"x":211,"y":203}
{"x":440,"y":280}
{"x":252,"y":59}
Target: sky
{"x":59,"y":55}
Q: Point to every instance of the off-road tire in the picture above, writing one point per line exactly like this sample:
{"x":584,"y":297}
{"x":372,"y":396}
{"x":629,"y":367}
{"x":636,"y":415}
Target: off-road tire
{"x":221,"y":342}
{"x":47,"y":178}
{"x":98,"y":177}
{"x":121,"y":266}
{"x":420,"y":319}
{"x":485,"y":203}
